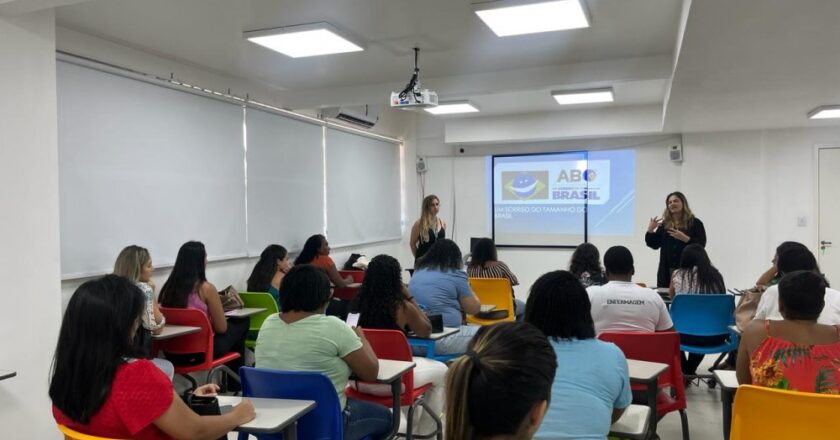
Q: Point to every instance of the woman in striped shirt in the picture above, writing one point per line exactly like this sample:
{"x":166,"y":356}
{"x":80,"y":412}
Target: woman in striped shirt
{"x":484,"y":263}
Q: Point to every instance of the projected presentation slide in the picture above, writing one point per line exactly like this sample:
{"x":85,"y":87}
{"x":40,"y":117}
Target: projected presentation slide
{"x":558,"y":199}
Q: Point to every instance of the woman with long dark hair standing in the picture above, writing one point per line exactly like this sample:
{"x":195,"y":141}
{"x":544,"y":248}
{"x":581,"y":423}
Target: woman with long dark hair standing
{"x":187,"y":288}
{"x":269,"y":271}
{"x":677,"y":228}
{"x":428,"y":228}
{"x":99,"y":388}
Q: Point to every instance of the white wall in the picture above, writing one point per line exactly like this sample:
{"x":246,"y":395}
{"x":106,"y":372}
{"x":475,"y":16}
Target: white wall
{"x":748,"y":187}
{"x":29,"y":254}
{"x":235,"y":272}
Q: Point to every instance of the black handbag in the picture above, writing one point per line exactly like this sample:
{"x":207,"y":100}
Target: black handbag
{"x":202,"y":405}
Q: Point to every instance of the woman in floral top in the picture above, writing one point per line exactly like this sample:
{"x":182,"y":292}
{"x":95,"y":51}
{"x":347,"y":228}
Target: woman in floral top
{"x":796,"y":353}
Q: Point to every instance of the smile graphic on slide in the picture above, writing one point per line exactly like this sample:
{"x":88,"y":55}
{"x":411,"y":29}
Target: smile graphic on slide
{"x":525,"y":185}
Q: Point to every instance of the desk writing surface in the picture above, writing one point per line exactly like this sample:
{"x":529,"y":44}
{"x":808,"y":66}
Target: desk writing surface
{"x":272,"y":414}
{"x":485,"y":308}
{"x":643,"y":370}
{"x":440,"y":335}
{"x":634,"y":421}
{"x":726,"y":378}
{"x":244,"y":312}
{"x":390,"y":370}
{"x":171,"y":331}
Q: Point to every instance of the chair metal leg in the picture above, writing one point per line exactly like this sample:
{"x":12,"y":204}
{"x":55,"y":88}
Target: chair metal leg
{"x":409,"y":423}
{"x":684,"y":423}
{"x":224,"y":369}
{"x":193,"y":383}
{"x":438,"y":434}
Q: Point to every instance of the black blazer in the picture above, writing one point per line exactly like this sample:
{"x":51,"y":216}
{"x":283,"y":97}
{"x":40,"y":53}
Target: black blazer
{"x":670,"y":249}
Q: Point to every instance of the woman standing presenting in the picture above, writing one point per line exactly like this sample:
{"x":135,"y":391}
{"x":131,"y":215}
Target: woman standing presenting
{"x":672,"y":233}
{"x":428,"y":229}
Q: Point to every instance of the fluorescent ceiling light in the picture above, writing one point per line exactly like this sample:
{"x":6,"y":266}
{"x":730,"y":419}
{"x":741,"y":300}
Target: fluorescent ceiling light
{"x":306,"y":40}
{"x":510,"y":17}
{"x":569,"y":97}
{"x":451,"y":108}
{"x":825,"y":112}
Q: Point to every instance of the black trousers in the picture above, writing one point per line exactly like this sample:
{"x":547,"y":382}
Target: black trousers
{"x":690,"y":361}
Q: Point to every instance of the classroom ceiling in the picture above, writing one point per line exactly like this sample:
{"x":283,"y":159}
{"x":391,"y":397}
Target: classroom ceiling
{"x":739,"y":64}
{"x":456,"y":47}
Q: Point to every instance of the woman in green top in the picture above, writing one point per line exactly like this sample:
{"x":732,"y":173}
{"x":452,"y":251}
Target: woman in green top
{"x":303,"y":338}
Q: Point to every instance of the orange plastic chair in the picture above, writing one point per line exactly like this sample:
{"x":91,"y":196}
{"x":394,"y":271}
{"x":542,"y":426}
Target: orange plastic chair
{"x":70,"y":434}
{"x":349,"y":293}
{"x":199,"y":342}
{"x":393,"y":345}
{"x":761,"y":412}
{"x":495,"y":291}
{"x":664,"y":348}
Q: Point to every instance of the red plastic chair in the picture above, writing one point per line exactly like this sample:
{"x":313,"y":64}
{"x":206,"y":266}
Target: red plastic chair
{"x":349,"y":293}
{"x":393,"y":345}
{"x":664,"y":348}
{"x":199,"y":342}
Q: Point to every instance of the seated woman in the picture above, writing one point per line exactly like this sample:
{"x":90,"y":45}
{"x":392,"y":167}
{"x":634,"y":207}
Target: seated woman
{"x":696,"y":275}
{"x":484,"y":263}
{"x":440,"y":287}
{"x":592,"y":386}
{"x":585,"y":264}
{"x":384,"y":303}
{"x":98,"y":388}
{"x":269,"y":271}
{"x":795,"y":353}
{"x":187,"y":287}
{"x":303,"y":338}
{"x":135,"y":264}
{"x":316,"y":251}
{"x":501,"y":388}
{"x":772,"y":276}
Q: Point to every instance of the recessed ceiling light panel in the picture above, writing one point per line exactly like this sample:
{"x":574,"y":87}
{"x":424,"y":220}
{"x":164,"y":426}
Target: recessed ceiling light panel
{"x":570,"y":97}
{"x":451,"y":108}
{"x":517,"y":17}
{"x":825,"y":112}
{"x":306,"y":40}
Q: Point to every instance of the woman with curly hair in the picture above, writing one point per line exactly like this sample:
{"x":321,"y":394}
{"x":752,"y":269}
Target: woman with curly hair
{"x":384,"y":303}
{"x":586,"y":265}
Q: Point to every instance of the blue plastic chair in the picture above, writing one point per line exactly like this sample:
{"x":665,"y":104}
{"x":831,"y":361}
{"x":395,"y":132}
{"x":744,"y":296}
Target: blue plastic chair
{"x":325,"y":422}
{"x":705,"y":315}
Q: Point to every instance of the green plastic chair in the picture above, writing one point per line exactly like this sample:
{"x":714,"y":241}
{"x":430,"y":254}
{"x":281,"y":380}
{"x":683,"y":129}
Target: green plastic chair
{"x":262,"y":300}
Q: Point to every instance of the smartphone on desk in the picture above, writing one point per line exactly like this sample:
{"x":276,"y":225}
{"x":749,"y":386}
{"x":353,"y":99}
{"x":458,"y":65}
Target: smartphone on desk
{"x":353,"y":319}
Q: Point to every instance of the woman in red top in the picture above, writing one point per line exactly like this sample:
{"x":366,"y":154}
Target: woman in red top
{"x":316,"y":251}
{"x":98,"y":388}
{"x":796,"y":353}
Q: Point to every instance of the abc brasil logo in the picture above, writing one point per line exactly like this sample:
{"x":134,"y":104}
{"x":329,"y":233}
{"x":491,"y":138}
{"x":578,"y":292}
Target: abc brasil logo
{"x":526,"y":185}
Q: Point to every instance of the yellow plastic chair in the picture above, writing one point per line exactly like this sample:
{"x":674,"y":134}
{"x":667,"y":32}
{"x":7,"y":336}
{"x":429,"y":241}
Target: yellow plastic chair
{"x":70,"y":434}
{"x":262,"y":300}
{"x":769,"y":413}
{"x":495,"y":291}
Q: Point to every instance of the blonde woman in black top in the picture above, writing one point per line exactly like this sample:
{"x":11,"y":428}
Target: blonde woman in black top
{"x":677,"y":228}
{"x":428,"y":228}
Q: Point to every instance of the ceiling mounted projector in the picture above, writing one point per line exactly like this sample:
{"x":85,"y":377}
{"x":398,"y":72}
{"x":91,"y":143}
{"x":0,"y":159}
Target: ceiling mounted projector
{"x":412,"y":96}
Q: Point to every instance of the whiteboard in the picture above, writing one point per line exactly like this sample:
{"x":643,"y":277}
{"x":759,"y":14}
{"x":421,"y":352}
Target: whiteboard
{"x":147,"y":165}
{"x":285,"y":181}
{"x":363,"y":189}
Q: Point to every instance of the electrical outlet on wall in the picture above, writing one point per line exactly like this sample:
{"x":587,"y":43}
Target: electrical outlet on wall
{"x":802,"y":221}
